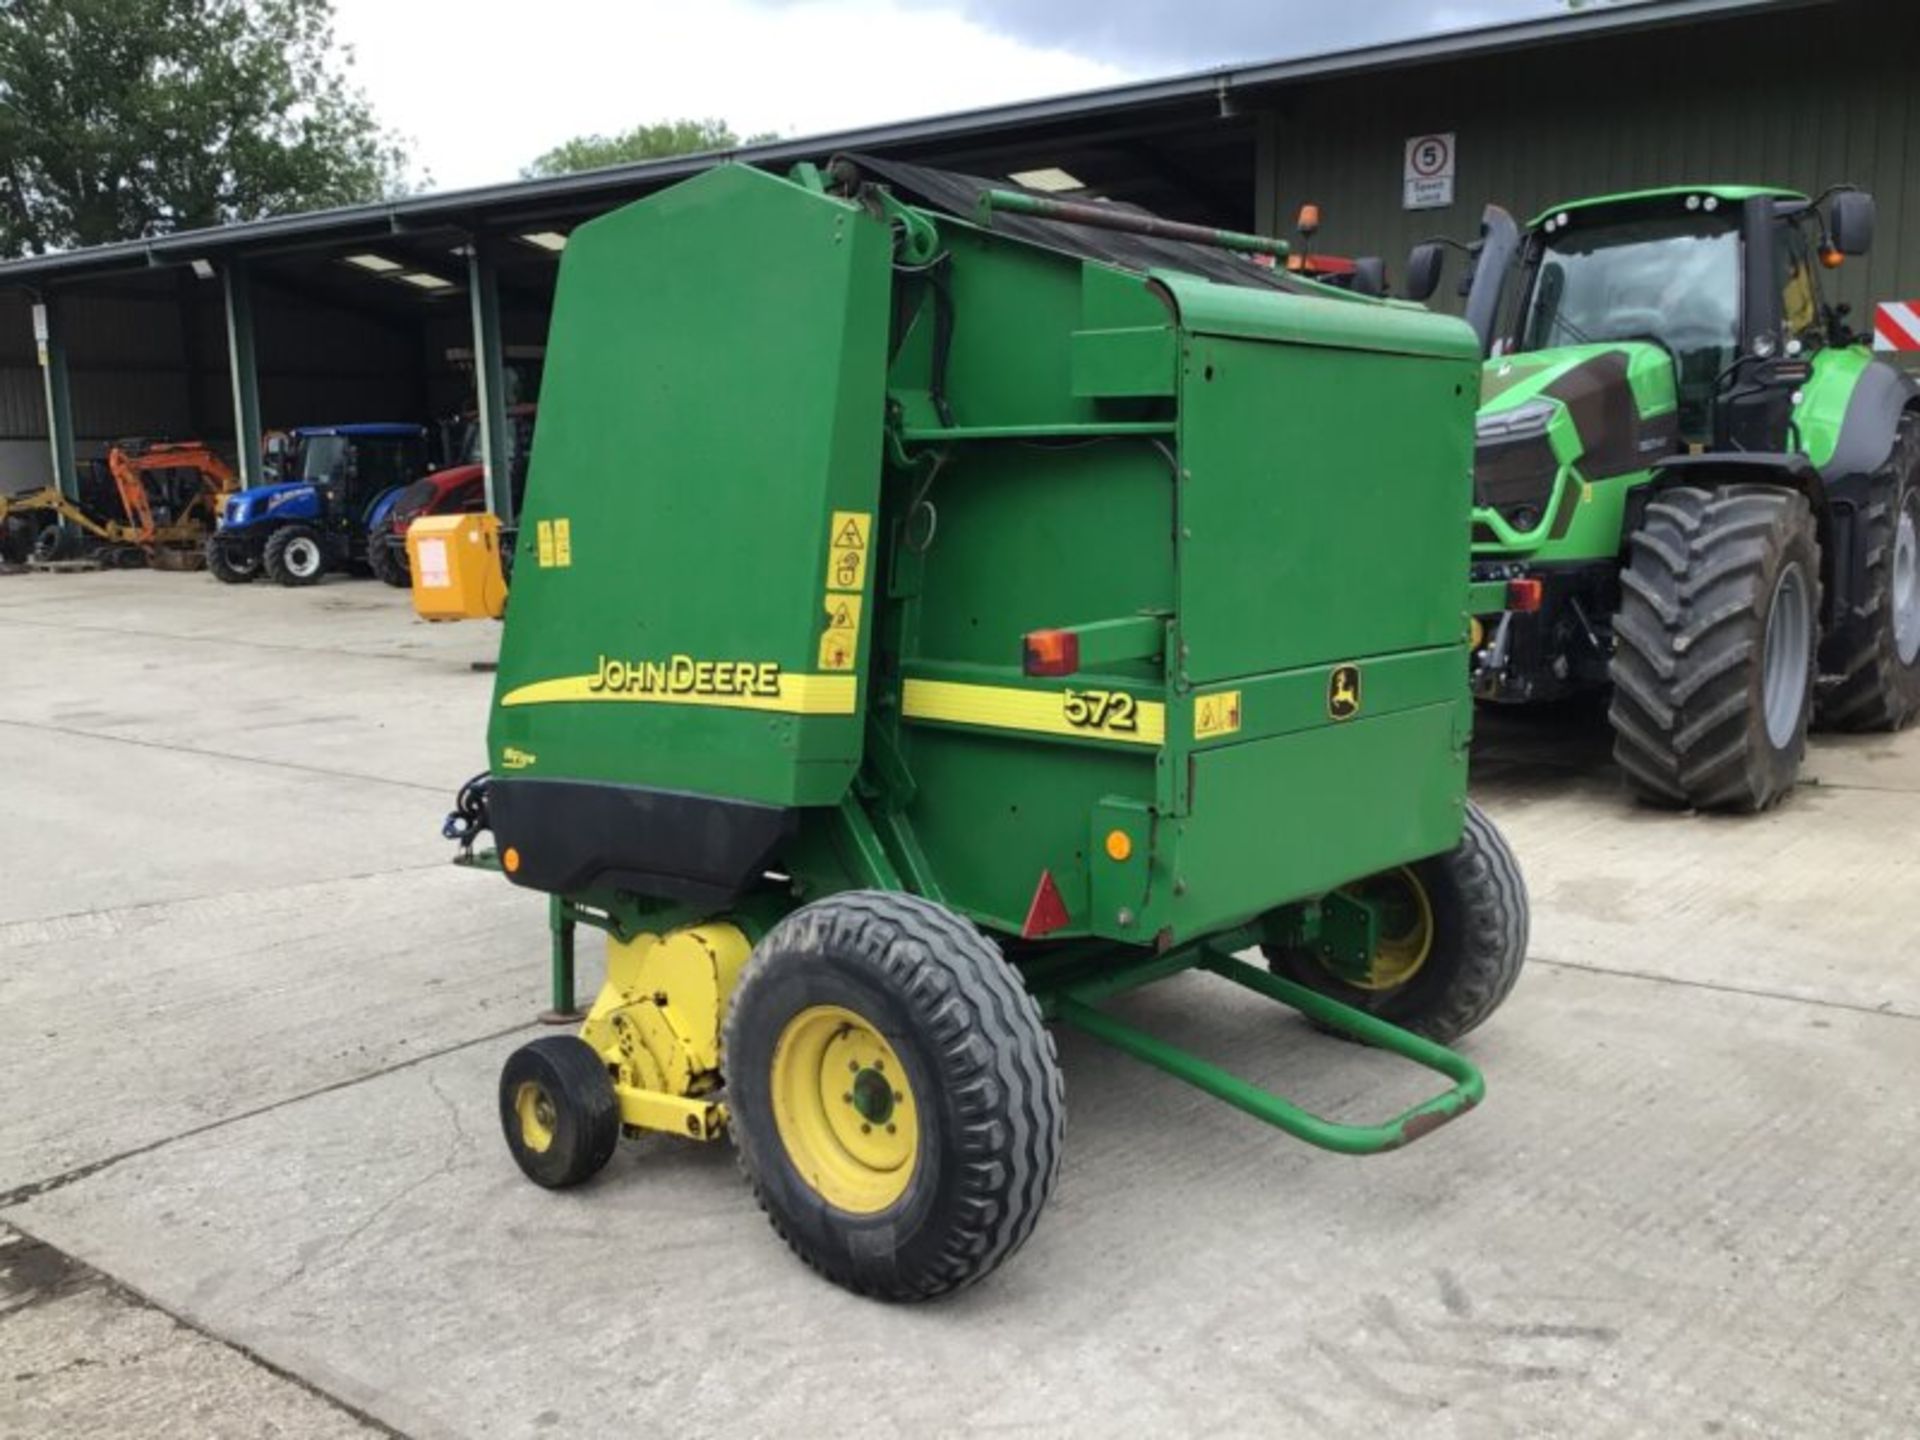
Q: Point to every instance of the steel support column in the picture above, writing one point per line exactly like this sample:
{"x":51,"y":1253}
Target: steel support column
{"x":244,"y":370}
{"x":52,"y":349}
{"x":490,"y":378}
{"x":1266,"y":174}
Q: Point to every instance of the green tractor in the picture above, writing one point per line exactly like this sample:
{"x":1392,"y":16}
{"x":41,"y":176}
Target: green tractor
{"x":1701,"y":482}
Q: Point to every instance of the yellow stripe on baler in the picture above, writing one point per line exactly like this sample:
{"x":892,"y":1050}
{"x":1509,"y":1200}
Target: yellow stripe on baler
{"x":1045,"y":712}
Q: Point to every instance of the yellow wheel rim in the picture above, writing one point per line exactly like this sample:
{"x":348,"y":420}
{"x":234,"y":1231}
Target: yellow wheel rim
{"x":1406,"y":928}
{"x":844,"y":1109}
{"x":533,"y":1107}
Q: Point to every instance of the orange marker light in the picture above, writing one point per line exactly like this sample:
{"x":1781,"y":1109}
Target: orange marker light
{"x":1309,"y":221}
{"x":1832,"y":257}
{"x":1525,"y":596}
{"x":510,"y":858}
{"x":1119,"y":845}
{"x":1051,"y":652}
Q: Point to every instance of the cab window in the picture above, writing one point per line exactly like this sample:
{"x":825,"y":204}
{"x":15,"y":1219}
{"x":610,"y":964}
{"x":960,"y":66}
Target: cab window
{"x":1799,"y":284}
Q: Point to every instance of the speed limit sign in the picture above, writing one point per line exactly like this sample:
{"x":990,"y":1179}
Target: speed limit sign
{"x":1428,"y":178}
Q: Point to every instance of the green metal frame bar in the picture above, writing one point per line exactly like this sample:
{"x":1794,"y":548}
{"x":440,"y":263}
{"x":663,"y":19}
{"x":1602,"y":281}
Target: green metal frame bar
{"x":243,"y":369}
{"x":1075,"y":1006}
{"x":489,"y":376}
{"x":561,"y":922}
{"x":58,"y":391}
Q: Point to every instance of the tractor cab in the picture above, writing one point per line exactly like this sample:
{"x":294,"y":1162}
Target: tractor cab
{"x":1723,"y":282}
{"x":355,"y":465}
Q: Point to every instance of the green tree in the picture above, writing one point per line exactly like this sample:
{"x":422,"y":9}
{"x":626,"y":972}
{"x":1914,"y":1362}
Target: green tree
{"x":643,"y":142}
{"x":127,"y":118}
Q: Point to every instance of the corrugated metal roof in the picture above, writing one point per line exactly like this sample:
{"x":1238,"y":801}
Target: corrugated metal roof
{"x":482,"y":206}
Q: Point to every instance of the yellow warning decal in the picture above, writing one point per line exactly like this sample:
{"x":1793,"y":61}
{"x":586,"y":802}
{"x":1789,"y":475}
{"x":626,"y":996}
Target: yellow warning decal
{"x":1094,"y":714}
{"x":847,"y":549}
{"x":554,"y":541}
{"x":841,"y":643}
{"x":843,"y":613}
{"x":851,"y":529}
{"x":1216,"y":715}
{"x":837,"y":650}
{"x":684,"y":680}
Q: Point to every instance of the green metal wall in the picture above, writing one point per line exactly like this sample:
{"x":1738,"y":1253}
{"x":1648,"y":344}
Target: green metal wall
{"x":1803,"y":97}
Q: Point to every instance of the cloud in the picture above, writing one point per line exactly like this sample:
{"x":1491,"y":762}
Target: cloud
{"x":1150,"y":35}
{"x":480,"y":91}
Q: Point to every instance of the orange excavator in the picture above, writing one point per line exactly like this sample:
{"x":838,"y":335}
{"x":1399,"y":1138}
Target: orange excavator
{"x":169,"y":493}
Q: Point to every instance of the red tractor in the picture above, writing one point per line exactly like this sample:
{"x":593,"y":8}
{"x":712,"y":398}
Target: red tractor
{"x":461,"y":487}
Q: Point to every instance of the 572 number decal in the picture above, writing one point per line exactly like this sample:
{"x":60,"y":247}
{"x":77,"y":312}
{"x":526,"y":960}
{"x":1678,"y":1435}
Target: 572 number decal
{"x":1110,"y":710}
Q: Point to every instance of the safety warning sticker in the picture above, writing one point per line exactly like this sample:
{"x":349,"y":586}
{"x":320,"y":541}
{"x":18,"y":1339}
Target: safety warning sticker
{"x":1216,"y":715}
{"x":847,"y":549}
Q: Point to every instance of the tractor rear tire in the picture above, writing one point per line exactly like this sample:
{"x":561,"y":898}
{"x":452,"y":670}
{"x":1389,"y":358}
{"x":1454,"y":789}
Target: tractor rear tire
{"x":894,"y":1097}
{"x":558,"y":1111}
{"x":231,"y":566}
{"x":1714,"y":666}
{"x":1875,"y":651}
{"x":1463,"y":950}
{"x":389,"y":564}
{"x":295,"y":555}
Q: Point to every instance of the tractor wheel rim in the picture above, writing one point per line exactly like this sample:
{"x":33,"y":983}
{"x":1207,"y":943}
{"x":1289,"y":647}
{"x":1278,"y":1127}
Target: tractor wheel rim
{"x":844,"y":1109}
{"x":1406,"y":928}
{"x":303,"y":558}
{"x":533,"y":1108}
{"x":1906,"y":581}
{"x":1788,"y":653}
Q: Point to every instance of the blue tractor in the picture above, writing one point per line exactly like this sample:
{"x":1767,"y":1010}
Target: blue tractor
{"x":334,"y":481}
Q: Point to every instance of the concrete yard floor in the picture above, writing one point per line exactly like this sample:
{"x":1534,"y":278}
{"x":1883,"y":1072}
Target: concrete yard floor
{"x":251,"y":1182}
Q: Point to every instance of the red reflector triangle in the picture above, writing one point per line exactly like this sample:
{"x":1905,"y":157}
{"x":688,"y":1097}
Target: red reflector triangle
{"x":1048,"y":911}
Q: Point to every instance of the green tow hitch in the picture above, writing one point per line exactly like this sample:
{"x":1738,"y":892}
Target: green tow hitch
{"x":1467,"y":1090}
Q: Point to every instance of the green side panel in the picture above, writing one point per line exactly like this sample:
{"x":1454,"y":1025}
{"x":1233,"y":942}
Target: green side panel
{"x":1824,"y":399}
{"x":1346,"y":322}
{"x":716,"y":374}
{"x":1121,"y":363}
{"x":1277,"y":820}
{"x":1032,"y":537}
{"x":1323,"y":513}
{"x":1303,"y":506}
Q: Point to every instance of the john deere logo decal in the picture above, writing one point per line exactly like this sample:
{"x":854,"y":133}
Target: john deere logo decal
{"x":1343,"y":692}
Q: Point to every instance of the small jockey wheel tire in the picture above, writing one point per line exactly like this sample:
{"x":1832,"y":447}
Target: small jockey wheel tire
{"x":558,"y":1111}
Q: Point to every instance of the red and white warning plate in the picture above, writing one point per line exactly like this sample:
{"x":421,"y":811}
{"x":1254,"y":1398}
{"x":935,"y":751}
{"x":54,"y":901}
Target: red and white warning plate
{"x":1896,"y":325}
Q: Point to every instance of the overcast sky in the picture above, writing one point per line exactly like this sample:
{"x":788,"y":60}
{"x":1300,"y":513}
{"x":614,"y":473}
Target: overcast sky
{"x":479,"y":87}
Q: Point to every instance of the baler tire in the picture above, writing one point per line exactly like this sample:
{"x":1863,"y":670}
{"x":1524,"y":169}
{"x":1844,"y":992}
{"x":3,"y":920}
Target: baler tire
{"x":389,"y":565}
{"x":1874,"y":687}
{"x":1709,"y":573}
{"x":228,"y":567}
{"x":580,"y":1121}
{"x":982,"y":1078}
{"x":274,"y":556}
{"x":1479,"y":917}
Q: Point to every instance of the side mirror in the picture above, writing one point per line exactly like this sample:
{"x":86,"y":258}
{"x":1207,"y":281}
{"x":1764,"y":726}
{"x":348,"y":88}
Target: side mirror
{"x":1370,"y":276}
{"x":1850,"y":220}
{"x":1423,"y":271}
